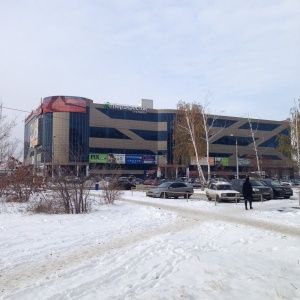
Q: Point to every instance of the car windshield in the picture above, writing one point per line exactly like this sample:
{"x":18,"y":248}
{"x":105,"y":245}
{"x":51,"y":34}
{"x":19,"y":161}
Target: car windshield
{"x":164,"y":185}
{"x":225,"y":187}
{"x":256,"y":183}
{"x":274,"y":183}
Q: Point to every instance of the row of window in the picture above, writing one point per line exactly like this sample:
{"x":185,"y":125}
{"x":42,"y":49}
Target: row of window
{"x":165,"y":117}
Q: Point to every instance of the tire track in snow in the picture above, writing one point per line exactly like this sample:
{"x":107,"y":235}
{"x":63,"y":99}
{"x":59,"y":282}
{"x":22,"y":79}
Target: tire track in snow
{"x":55,"y":267}
{"x":201,"y":215}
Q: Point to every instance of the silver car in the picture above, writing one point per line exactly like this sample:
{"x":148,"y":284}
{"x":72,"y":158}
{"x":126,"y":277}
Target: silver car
{"x":171,"y":189}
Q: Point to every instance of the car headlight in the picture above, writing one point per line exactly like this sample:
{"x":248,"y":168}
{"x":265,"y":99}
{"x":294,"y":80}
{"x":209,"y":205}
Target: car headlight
{"x":223,"y":195}
{"x":255,"y":190}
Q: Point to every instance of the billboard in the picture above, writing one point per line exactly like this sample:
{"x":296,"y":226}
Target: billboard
{"x":116,"y":158}
{"x":244,"y":162}
{"x":150,"y":159}
{"x":64,"y":104}
{"x":134,"y":159}
{"x":203,"y":161}
{"x":101,"y":158}
{"x":98,"y":158}
{"x":34,"y":133}
{"x":221,"y":161}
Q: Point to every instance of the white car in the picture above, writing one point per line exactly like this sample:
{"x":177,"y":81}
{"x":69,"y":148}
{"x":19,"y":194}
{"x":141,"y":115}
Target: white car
{"x":285,"y":182}
{"x":222,"y":191}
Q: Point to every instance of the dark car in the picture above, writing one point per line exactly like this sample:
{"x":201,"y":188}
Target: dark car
{"x":137,"y":181}
{"x":194,"y":182}
{"x":279,"y":191}
{"x":259,"y":189}
{"x":171,"y":189}
{"x":122,"y":184}
{"x":295,"y":181}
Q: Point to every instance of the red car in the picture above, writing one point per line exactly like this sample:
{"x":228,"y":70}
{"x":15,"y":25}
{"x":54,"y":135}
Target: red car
{"x":150,"y":182}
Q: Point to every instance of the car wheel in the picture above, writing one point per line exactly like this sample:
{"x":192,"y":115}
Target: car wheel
{"x":208,"y":198}
{"x":162,"y":195}
{"x":176,"y":197}
{"x":287,"y":197}
{"x":218,"y":199}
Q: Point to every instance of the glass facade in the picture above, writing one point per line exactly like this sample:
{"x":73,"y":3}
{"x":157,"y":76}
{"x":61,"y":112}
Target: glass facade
{"x":231,"y":140}
{"x":149,"y":135}
{"x":47,"y":136}
{"x":79,"y":137}
{"x":100,"y":129}
{"x":223,"y":123}
{"x":259,"y":126}
{"x":107,"y":133}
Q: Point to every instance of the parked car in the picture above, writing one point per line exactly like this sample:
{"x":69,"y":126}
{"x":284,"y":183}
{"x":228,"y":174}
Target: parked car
{"x":150,"y":182}
{"x":171,"y":189}
{"x":182,"y":179}
{"x":122,"y":184}
{"x":138,"y":181}
{"x":212,"y":180}
{"x":285,"y":182}
{"x":279,"y":191}
{"x":217,"y":179}
{"x":221,"y":191}
{"x":162,"y":180}
{"x":194,"y":182}
{"x":259,"y":189}
{"x":295,"y":181}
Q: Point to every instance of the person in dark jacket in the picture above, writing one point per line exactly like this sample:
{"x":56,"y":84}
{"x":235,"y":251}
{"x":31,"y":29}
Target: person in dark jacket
{"x":247,"y":192}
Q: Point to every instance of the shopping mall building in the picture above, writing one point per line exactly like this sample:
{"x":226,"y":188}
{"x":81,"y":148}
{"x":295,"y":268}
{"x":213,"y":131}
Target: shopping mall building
{"x":77,"y":134}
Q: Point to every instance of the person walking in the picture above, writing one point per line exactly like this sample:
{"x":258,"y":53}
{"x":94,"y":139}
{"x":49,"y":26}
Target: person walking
{"x":247,"y":192}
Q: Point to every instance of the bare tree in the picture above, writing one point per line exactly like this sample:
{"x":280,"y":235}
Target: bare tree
{"x":210,"y":129}
{"x":21,"y":182}
{"x":110,"y":193}
{"x":194,"y":127}
{"x":73,"y":193}
{"x":70,"y":184}
{"x":253,"y":133}
{"x":8,"y":145}
{"x":295,"y":123}
{"x":289,"y":145}
{"x":188,"y":135}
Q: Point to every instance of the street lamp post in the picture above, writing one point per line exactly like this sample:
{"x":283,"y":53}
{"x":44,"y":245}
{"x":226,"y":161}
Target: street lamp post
{"x":166,"y":162}
{"x":237,"y":158}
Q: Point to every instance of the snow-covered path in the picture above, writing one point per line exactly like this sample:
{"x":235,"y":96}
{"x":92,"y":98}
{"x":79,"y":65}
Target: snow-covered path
{"x":168,"y":250}
{"x":242,"y":218}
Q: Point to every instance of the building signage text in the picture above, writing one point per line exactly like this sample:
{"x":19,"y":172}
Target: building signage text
{"x":135,"y":109}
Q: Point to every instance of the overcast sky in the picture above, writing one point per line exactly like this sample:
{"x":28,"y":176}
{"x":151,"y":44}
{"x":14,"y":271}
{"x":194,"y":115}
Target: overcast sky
{"x":246,"y":54}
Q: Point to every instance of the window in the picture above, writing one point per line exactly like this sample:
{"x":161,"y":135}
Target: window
{"x":220,"y":122}
{"x":150,"y":135}
{"x":260,"y":126}
{"x":107,"y":133}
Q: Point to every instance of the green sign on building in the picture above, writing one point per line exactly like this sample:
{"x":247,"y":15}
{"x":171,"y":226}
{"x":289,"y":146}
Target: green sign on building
{"x":98,"y":158}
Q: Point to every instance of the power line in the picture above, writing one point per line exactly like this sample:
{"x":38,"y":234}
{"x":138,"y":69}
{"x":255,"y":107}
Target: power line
{"x":29,"y":112}
{"x":25,"y":111}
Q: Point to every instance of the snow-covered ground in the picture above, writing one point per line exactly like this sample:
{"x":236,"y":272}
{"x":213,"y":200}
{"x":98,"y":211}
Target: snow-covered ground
{"x":143,"y":248}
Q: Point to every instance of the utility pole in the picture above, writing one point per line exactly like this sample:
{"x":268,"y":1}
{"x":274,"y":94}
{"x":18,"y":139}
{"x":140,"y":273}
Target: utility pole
{"x":237,"y":158}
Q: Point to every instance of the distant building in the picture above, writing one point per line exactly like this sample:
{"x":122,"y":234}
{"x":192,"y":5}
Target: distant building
{"x":76,"y":133}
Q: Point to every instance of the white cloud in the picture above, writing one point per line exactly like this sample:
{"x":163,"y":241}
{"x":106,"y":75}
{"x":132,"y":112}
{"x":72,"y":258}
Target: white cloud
{"x":164,"y":50}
